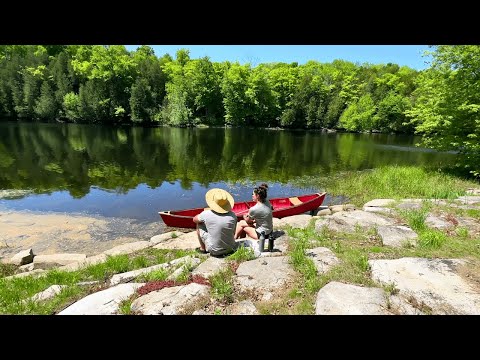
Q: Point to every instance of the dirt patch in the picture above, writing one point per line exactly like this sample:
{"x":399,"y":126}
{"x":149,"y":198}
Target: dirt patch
{"x":470,"y":272}
{"x":49,"y":233}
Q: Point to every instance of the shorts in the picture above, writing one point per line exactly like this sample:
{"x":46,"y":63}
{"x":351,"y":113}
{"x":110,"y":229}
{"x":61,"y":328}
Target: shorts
{"x":207,"y":240}
{"x":202,"y":229}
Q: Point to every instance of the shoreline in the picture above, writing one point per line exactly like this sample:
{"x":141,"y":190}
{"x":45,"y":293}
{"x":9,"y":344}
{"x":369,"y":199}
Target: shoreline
{"x":52,"y":232}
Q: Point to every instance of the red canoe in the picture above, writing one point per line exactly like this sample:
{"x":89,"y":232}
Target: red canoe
{"x":282,"y":207}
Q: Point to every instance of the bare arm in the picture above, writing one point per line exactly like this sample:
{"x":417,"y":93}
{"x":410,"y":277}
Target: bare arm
{"x":249,"y":219}
{"x":196,"y":220}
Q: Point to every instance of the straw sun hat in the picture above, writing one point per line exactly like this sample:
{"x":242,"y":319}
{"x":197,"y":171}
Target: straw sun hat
{"x":219,"y":200}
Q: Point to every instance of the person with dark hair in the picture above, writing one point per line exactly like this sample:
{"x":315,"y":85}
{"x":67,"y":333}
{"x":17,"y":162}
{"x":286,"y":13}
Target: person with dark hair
{"x":266,"y":200}
{"x":259,"y":218}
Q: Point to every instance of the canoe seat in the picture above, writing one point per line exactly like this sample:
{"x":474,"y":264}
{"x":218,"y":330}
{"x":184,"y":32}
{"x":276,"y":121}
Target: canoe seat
{"x":295,"y":200}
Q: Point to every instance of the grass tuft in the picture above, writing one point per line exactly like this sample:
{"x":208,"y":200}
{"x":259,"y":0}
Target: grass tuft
{"x":242,"y":254}
{"x":7,"y":269}
{"x":433,"y":239}
{"x":125,"y":306}
{"x":222,"y":285}
{"x":415,"y":218}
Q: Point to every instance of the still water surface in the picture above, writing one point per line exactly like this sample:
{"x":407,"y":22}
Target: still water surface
{"x":136,"y":172}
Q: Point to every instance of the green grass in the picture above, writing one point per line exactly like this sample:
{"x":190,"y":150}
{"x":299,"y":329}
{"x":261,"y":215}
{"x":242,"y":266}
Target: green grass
{"x":303,"y":264}
{"x":390,"y":289}
{"x":7,"y":269}
{"x":392,"y":182}
{"x":462,"y":232}
{"x":187,"y":269}
{"x":118,"y":264}
{"x":242,"y":254}
{"x":353,"y":267}
{"x":184,"y":275}
{"x":352,"y":249}
{"x":415,"y":218}
{"x":474,"y":213}
{"x":125,"y":306}
{"x":13,"y":291}
{"x":156,"y":275}
{"x":432,"y":239}
{"x":140,"y":262}
{"x":356,"y":248}
{"x":222,"y":285}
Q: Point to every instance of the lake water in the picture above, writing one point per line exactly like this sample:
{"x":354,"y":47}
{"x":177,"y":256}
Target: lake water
{"x":136,"y":172}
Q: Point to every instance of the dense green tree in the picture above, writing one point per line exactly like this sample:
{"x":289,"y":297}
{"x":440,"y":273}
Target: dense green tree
{"x":283,"y":80}
{"x":62,"y":78}
{"x":359,"y":116}
{"x":149,"y":69}
{"x":31,"y":91}
{"x":391,"y":113}
{"x":260,"y":95}
{"x":46,"y":106}
{"x":175,"y":107}
{"x":203,"y":83}
{"x":54,"y":50}
{"x":334,"y":110}
{"x":8,"y":52}
{"x":71,"y":106}
{"x":112,"y":65}
{"x":108,"y":84}
{"x":94,"y":103}
{"x":10,"y":80}
{"x":141,"y":101}
{"x":238,"y":106}
{"x":447,"y":107}
{"x":178,"y":103}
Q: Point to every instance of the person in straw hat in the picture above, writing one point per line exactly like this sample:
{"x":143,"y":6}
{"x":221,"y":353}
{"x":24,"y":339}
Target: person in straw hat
{"x":216,"y":225}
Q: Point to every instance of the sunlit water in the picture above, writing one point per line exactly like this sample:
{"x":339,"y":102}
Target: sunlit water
{"x":136,"y":172}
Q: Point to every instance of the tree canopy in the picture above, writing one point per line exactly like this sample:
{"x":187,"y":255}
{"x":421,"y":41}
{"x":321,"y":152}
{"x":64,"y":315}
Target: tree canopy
{"x":107,"y":84}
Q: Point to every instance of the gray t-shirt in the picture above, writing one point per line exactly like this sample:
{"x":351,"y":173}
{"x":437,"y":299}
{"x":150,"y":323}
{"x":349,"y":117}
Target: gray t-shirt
{"x":221,"y":230}
{"x":262,"y":214}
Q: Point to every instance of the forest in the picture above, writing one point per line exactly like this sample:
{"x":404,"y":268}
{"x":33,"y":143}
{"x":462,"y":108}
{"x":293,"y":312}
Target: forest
{"x":107,"y":84}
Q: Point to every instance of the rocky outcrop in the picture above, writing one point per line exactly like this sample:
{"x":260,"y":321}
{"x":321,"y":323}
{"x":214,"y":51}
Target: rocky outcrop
{"x":48,"y":293}
{"x":348,"y":221}
{"x":397,"y":236}
{"x":170,"y":301}
{"x":128,"y":248}
{"x":210,"y":266}
{"x":22,"y":258}
{"x":337,"y":298}
{"x":412,"y":286}
{"x":56,"y":260}
{"x":104,"y":302}
{"x":323,"y":259}
{"x":130,"y":275}
{"x":264,"y":275}
{"x":434,"y":284}
{"x":184,"y":241}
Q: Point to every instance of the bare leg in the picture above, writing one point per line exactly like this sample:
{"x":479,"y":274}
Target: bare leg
{"x":239,"y":233}
{"x":251,"y":232}
{"x":243,"y":229}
